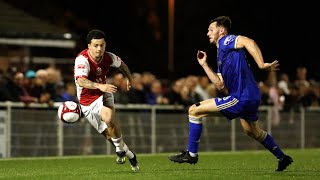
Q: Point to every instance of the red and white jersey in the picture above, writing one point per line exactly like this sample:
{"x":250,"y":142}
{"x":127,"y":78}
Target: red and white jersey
{"x":85,"y":66}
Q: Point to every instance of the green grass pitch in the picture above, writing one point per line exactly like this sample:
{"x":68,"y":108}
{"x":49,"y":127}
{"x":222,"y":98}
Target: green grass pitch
{"x":211,"y":165}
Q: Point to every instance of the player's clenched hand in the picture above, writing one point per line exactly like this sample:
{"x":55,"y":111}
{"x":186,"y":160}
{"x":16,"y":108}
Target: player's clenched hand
{"x":109,"y":88}
{"x":202,"y":57}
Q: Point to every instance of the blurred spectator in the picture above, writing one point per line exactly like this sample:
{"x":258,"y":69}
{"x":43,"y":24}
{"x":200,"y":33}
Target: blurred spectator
{"x":286,"y":91}
{"x":121,"y":96}
{"x":284,"y":83}
{"x":66,"y":92}
{"x":60,"y":90}
{"x":147,"y":78}
{"x":9,"y":90}
{"x":38,"y":88}
{"x":191,"y":83}
{"x":30,"y":74}
{"x":305,"y":94}
{"x":27,"y":85}
{"x":270,"y":92}
{"x":314,"y":93}
{"x":53,"y":78}
{"x":173,"y":93}
{"x":185,"y":96}
{"x":24,"y":96}
{"x":201,"y":87}
{"x":212,"y":91}
{"x":117,"y":79}
{"x":155,"y":96}
{"x":136,"y":93}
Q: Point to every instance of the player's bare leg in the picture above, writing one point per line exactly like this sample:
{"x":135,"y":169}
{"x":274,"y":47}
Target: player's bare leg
{"x":122,"y":150}
{"x":253,"y":130}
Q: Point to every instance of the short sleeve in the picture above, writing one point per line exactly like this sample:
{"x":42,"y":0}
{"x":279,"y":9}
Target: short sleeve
{"x":81,"y":67}
{"x":116,"y":60}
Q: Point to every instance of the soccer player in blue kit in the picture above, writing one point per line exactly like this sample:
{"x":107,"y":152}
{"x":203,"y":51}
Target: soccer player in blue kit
{"x":235,"y":77}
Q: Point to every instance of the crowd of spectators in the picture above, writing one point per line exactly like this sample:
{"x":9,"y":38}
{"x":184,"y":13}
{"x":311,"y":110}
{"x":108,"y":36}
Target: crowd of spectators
{"x":48,"y":86}
{"x":36,"y":86}
{"x":285,"y":94}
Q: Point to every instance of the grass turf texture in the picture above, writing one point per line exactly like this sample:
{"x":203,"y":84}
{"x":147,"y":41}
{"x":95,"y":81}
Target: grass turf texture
{"x":211,"y":165}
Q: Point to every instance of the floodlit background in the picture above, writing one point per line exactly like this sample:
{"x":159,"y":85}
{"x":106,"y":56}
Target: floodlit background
{"x":138,"y":30}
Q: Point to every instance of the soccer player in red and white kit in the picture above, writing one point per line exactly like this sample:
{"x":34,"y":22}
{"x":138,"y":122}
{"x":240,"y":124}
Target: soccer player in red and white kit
{"x":96,"y":95}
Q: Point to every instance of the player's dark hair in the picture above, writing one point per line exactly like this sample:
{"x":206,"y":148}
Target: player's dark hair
{"x":223,"y":21}
{"x":95,"y":34}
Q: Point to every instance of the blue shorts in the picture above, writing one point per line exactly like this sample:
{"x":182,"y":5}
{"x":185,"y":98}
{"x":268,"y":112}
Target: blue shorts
{"x":233,"y":108}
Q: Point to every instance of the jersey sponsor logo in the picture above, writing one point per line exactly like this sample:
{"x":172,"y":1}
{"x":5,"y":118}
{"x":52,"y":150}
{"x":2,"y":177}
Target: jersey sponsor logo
{"x":229,"y":39}
{"x":99,"y":71}
{"x":81,"y":66}
{"x":99,"y":80}
{"x":226,"y":98}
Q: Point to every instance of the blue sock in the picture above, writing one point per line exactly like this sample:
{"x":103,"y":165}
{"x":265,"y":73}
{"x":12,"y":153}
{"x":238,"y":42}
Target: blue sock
{"x":194,"y":135}
{"x":269,"y":144}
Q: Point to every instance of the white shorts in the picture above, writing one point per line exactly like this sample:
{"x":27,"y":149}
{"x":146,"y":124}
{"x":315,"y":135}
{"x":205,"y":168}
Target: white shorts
{"x":93,"y":111}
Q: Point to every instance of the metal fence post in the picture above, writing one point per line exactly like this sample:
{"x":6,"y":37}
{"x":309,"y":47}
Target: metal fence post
{"x":153,"y":129}
{"x":233,"y":135}
{"x":9,"y":111}
{"x":302,"y":127}
{"x":59,"y":137}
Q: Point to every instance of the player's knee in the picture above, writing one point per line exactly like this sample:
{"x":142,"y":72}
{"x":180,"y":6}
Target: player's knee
{"x":106,"y":114}
{"x":193,"y":110}
{"x":107,"y":117}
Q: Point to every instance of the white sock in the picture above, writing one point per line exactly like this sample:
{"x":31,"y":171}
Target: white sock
{"x":192,"y":154}
{"x":118,"y":142}
{"x":129,"y":153}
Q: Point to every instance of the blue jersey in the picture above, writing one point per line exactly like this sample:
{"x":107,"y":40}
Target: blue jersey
{"x":235,"y":69}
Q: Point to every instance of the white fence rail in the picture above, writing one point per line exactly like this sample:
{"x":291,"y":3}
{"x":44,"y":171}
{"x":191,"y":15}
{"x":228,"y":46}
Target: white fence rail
{"x":35,"y":130}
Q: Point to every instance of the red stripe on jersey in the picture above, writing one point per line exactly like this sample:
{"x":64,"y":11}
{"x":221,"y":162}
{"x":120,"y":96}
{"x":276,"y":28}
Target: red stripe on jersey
{"x":81,"y":66}
{"x":81,"y":77}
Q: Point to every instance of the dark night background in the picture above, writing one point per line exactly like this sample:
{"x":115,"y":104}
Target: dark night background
{"x":286,"y":31}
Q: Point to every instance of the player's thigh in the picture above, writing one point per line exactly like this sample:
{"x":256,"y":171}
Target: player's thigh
{"x":203,"y":108}
{"x":92,"y":113}
{"x":106,"y":114}
{"x":108,"y":110}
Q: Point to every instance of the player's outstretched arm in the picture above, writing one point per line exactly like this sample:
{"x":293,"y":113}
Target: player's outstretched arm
{"x":254,"y":50}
